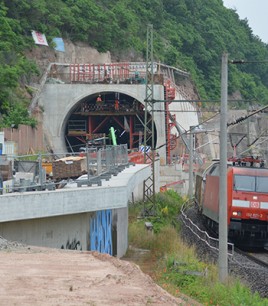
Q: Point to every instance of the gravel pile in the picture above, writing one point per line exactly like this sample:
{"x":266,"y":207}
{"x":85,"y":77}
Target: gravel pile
{"x":7,"y":245}
{"x":250,"y":273}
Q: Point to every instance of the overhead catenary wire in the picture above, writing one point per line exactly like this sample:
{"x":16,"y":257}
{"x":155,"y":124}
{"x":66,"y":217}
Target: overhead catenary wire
{"x":246,"y":62}
{"x":187,"y":131}
{"x":240,"y":119}
{"x":200,"y":100}
{"x":252,"y":146}
{"x":216,"y":113}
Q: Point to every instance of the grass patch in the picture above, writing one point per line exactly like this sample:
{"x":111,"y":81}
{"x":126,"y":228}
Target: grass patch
{"x":175,"y":266}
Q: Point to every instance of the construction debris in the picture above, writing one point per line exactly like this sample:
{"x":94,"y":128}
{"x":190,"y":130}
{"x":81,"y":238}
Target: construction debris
{"x":69,"y":167}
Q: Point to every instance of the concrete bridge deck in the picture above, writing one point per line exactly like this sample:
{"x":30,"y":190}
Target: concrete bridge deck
{"x":63,"y":218}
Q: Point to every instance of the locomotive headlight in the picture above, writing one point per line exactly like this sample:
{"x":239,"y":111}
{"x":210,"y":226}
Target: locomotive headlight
{"x":255,"y":198}
{"x":237,"y":213}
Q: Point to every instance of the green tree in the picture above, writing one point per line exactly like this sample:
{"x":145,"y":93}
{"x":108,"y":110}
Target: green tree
{"x":188,"y":34}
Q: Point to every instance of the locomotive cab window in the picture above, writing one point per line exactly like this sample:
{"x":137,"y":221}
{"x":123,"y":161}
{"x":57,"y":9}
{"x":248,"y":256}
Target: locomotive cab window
{"x":244,"y":183}
{"x":262,"y":184}
{"x":251,"y":183}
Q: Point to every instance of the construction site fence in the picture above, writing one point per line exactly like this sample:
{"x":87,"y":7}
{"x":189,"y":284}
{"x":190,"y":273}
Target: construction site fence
{"x":49,"y":171}
{"x":110,"y":73}
{"x":95,"y":73}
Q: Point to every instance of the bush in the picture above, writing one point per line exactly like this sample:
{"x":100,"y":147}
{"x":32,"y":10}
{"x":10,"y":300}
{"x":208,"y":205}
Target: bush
{"x":176,"y":266}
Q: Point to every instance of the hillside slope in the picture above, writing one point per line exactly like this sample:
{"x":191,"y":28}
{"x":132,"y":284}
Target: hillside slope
{"x":191,"y":35}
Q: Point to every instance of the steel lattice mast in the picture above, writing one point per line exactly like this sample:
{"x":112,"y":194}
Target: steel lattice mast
{"x":149,"y":184}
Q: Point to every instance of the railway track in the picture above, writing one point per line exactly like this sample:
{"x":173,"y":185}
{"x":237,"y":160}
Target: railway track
{"x":260,"y":257}
{"x":251,"y":268}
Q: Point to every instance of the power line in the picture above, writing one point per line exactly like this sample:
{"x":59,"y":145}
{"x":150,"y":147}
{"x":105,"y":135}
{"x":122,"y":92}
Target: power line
{"x":240,"y":119}
{"x":202,"y":101}
{"x":246,"y":62}
{"x":228,"y":124}
{"x":187,"y":131}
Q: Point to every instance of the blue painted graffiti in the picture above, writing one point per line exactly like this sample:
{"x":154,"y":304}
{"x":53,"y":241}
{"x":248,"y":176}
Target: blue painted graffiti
{"x":101,"y":232}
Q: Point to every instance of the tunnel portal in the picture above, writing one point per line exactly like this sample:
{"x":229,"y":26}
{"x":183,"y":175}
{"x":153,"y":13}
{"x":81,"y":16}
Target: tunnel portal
{"x":94,"y":115}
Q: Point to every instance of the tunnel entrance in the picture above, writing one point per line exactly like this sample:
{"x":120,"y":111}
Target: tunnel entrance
{"x":96,"y":114}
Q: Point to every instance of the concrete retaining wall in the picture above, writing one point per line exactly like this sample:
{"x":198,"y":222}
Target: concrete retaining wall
{"x":66,"y":232}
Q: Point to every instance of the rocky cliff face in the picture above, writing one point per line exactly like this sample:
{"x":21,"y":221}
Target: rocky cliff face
{"x":74,"y":53}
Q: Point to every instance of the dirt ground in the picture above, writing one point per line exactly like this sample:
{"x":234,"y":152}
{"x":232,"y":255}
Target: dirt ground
{"x":43,"y":276}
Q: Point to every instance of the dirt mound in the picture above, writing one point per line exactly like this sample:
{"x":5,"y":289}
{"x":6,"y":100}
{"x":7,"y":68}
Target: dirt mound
{"x":43,"y":276}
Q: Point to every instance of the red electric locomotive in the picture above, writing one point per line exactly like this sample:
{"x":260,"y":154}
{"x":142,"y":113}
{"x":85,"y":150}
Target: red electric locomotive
{"x":247,"y":200}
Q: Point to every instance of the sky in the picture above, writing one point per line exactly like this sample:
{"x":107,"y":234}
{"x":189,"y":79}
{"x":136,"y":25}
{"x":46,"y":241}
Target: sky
{"x":256,"y":12}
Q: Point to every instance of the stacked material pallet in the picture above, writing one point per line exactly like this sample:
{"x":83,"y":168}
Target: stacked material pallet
{"x":5,"y":168}
{"x":69,"y":167}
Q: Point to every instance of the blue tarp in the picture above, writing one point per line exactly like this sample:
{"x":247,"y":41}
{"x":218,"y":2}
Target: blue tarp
{"x":59,"y":44}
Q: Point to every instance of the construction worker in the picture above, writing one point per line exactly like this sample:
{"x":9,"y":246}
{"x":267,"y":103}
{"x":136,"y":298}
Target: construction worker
{"x":137,"y":76}
{"x":99,"y":102}
{"x":116,"y":104}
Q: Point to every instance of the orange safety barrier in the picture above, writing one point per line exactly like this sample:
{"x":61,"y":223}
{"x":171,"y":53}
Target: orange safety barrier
{"x":165,"y":187}
{"x":137,"y":158}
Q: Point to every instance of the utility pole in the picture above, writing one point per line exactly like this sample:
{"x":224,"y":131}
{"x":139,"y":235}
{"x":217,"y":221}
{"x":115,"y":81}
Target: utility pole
{"x":223,"y":249}
{"x":149,"y":184}
{"x":190,"y":190}
{"x":40,"y":171}
{"x":248,"y":135}
{"x":87,"y":159}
